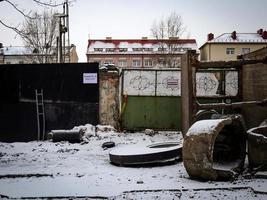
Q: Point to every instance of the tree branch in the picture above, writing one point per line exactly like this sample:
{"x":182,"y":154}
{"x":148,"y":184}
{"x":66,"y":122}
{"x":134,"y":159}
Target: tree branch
{"x":50,"y":4}
{"x":19,"y":10}
{"x":13,"y":28}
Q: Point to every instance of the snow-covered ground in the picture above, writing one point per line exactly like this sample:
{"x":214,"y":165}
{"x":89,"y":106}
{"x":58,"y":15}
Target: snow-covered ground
{"x":46,"y":169}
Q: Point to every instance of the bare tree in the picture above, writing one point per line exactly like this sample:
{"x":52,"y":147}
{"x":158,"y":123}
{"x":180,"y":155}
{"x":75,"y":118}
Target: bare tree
{"x":166,"y":31}
{"x":39,"y":30}
{"x":26,"y":14}
{"x":39,"y":33}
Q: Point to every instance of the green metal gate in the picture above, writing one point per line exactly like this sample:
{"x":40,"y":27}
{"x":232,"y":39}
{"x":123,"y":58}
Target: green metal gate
{"x":151,"y":98}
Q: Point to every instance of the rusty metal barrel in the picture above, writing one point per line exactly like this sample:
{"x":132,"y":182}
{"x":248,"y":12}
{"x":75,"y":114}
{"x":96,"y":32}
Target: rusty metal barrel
{"x":257,"y":147}
{"x":215,"y":149}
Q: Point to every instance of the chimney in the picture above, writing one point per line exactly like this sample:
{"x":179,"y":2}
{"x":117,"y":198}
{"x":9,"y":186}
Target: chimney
{"x":264,"y":35}
{"x":260,"y":31}
{"x":210,"y":36}
{"x":233,"y":35}
{"x":108,"y":38}
{"x":144,"y":38}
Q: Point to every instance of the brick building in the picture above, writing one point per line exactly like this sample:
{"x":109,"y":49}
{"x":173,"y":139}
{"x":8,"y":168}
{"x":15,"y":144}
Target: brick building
{"x":139,"y":53}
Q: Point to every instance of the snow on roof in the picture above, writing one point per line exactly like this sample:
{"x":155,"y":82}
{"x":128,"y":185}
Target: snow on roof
{"x":148,"y":43}
{"x":240,"y":38}
{"x":17,"y":50}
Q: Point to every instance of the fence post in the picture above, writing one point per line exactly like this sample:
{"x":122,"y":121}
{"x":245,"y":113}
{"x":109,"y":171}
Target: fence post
{"x":187,"y":87}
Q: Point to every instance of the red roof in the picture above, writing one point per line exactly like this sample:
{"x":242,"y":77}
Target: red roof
{"x":143,"y":41}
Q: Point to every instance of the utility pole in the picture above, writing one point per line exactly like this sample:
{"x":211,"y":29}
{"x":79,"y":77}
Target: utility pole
{"x":63,"y":22}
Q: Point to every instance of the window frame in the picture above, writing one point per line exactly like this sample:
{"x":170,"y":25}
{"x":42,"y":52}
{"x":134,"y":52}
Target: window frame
{"x":230,"y":51}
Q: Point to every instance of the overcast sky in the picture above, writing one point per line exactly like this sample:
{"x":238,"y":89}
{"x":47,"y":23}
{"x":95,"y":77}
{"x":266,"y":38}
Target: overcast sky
{"x":133,"y":18}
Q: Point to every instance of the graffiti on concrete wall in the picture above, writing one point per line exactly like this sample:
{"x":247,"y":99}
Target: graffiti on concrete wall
{"x":231,"y":83}
{"x":206,"y":84}
{"x":168,"y":83}
{"x":137,"y":82}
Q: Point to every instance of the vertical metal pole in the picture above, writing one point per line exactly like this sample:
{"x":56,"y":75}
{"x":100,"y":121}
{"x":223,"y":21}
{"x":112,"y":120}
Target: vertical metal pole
{"x":57,"y":49}
{"x":67,"y":18}
{"x":37,"y":115}
{"x":60,"y":41}
{"x":64,"y":38}
{"x":43,"y":111}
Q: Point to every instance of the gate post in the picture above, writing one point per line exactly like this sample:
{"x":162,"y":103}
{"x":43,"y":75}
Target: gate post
{"x":187,"y":90}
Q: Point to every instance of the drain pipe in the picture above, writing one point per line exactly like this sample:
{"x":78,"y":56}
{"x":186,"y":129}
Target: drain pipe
{"x":232,"y":105}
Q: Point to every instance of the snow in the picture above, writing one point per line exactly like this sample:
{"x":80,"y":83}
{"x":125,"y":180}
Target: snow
{"x":205,"y":126}
{"x":130,"y":46}
{"x":17,"y":50}
{"x":83,"y":170}
{"x":140,"y":150}
{"x":241,"y":37}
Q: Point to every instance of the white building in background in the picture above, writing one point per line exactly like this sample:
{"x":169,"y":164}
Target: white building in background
{"x":25,"y":55}
{"x":228,"y":46}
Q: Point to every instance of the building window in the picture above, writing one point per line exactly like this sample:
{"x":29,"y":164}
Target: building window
{"x":122,"y":63}
{"x":109,"y":62}
{"x":230,"y":51}
{"x":98,"y":61}
{"x":148,"y":49}
{"x":98,"y":49}
{"x":245,"y":50}
{"x":123,"y":49}
{"x":148,"y":63}
{"x":136,"y":63}
{"x":110,"y":49}
{"x":137,"y":49}
{"x":176,"y":62}
{"x":162,"y":49}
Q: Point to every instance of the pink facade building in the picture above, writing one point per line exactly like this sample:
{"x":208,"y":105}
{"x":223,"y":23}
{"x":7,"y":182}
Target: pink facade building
{"x":139,"y":53}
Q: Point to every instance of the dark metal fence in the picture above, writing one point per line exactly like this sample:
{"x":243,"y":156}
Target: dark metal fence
{"x":70,"y":96}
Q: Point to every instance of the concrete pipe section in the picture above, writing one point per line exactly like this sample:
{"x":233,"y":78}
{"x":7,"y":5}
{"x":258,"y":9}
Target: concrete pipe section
{"x":215,"y":149}
{"x":73,"y":136}
{"x":159,"y":153}
{"x":257,"y":147}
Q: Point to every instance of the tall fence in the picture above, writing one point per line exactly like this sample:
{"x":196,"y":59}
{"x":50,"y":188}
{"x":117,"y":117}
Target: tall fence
{"x":70,"y":98}
{"x":152,"y":97}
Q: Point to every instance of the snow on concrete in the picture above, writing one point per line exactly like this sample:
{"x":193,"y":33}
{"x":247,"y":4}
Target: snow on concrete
{"x":83,"y":169}
{"x":141,"y":150}
{"x":204,"y":126}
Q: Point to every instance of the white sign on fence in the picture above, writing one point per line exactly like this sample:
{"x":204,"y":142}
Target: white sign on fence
{"x":89,"y":78}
